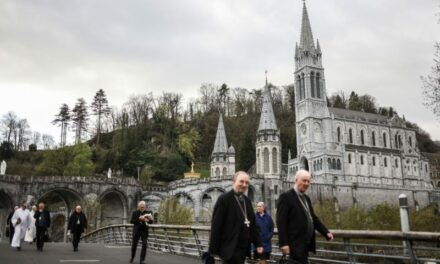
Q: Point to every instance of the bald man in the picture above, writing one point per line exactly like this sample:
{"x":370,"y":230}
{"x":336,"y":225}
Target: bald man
{"x":233,"y":226}
{"x":77,"y":225}
{"x":297,"y":221}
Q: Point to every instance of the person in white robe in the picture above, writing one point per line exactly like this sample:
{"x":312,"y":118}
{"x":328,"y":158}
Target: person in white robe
{"x":31,"y":231}
{"x":21,"y":221}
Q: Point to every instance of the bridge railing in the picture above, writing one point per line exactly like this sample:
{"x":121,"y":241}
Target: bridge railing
{"x":349,"y":246}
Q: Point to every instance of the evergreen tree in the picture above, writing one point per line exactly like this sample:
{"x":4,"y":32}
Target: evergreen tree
{"x":63,"y":118}
{"x":354,"y":103}
{"x":246,"y":155}
{"x":80,"y":118}
{"x":101,"y":109}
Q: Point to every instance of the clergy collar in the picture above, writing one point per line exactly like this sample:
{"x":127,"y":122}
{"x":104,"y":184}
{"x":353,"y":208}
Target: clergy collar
{"x":297,"y":191}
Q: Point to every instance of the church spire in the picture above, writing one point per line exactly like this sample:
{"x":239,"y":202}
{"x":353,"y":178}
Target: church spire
{"x":221,"y":144}
{"x":306,"y":40}
{"x":267,"y":119}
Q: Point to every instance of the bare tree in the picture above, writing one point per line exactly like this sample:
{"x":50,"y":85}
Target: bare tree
{"x":48,"y":141}
{"x":9,"y":123}
{"x":22,"y":135}
{"x":36,"y":138}
{"x":431,"y":85}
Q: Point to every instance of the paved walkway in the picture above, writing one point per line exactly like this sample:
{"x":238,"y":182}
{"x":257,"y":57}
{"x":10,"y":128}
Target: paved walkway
{"x":88,"y":253}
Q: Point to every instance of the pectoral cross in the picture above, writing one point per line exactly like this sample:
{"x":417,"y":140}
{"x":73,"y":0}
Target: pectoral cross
{"x":247,"y":222}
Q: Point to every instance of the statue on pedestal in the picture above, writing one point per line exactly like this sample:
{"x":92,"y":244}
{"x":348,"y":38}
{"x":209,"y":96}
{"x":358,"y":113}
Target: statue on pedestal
{"x":3,"y":168}
{"x":109,"y":173}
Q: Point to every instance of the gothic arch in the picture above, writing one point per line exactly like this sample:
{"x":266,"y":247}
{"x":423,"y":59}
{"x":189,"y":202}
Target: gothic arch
{"x":113,"y":207}
{"x":274,"y":160}
{"x":266,"y":161}
{"x":185,"y":199}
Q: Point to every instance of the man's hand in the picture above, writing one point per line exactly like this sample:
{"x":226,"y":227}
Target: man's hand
{"x":285,"y":250}
{"x":330,"y":236}
{"x":260,"y":250}
{"x":142,"y":218}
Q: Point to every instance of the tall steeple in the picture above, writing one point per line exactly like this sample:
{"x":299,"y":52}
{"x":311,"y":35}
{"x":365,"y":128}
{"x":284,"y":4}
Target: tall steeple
{"x":267,"y":118}
{"x":222,"y":158}
{"x":306,"y":40}
{"x":221,"y":143}
{"x":307,"y":54}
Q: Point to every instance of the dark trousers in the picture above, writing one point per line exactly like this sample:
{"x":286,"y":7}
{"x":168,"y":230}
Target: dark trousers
{"x":301,"y":256}
{"x":11,"y":233}
{"x":238,"y":257}
{"x":76,"y":238}
{"x":40,"y":236}
{"x":139,"y":234}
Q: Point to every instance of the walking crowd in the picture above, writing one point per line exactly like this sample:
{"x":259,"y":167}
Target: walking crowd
{"x":236,"y":231}
{"x":33,"y":226}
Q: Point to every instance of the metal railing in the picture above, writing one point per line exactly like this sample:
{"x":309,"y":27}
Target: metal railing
{"x":349,"y":246}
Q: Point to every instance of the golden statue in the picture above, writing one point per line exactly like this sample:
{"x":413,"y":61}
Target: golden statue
{"x":192,"y":173}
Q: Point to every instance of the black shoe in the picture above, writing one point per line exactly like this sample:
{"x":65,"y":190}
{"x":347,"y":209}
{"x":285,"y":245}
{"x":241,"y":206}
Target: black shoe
{"x":75,"y":249}
{"x":18,"y":248}
{"x":131,"y":260}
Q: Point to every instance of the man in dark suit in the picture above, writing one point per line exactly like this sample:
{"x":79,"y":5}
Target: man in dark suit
{"x":77,"y":225}
{"x":10,"y":225}
{"x":42,"y":224}
{"x":140,"y":220}
{"x":233,"y":227}
{"x":297,"y":221}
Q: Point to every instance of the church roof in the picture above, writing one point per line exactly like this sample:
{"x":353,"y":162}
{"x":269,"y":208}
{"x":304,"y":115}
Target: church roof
{"x":267,"y":118}
{"x":220,"y":144}
{"x":358,"y":115}
{"x":394,"y":121}
{"x":306,"y":40}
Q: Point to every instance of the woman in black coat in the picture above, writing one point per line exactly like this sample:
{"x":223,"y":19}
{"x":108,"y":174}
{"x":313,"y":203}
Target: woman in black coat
{"x":77,"y":225}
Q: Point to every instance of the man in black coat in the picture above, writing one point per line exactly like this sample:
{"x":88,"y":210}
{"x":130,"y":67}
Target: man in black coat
{"x":11,"y":226}
{"x":297,"y":221}
{"x":77,"y":225}
{"x":42,"y":224}
{"x":233,"y":227}
{"x":140,"y":219}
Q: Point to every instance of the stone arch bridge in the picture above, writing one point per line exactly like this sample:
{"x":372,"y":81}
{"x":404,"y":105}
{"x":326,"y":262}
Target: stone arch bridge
{"x":109,"y":200}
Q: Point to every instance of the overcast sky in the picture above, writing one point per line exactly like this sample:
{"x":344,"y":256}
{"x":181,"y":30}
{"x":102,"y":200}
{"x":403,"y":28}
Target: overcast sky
{"x":53,"y":52}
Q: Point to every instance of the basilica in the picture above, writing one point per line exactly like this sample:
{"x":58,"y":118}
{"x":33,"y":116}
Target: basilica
{"x":354,"y":157}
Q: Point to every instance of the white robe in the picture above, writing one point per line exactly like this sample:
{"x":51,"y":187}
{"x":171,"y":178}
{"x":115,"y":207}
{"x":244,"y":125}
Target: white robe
{"x":20,"y":229}
{"x":32,"y":230}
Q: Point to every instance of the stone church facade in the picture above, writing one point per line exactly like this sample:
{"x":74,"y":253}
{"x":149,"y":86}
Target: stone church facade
{"x":354,"y":157}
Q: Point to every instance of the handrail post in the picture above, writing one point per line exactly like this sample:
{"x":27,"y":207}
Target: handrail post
{"x":168,"y":240}
{"x":182,"y":245}
{"x":349,"y":250}
{"x":196,"y":238}
{"x":404,"y":223}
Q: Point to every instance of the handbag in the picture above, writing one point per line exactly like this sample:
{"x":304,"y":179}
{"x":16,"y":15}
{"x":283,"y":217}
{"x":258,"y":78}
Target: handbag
{"x":286,"y":260}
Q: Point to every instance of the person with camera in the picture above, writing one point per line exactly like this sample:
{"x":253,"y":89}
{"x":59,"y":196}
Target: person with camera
{"x":77,"y":225}
{"x":140,"y":219}
{"x":42,"y":223}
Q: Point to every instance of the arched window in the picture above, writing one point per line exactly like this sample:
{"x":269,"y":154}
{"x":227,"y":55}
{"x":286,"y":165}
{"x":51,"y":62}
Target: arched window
{"x":373,"y":139}
{"x":410,"y":141}
{"x":265,"y":160}
{"x":334,"y":164}
{"x":438,"y":184}
{"x":217,"y":171}
{"x":329,"y":163}
{"x":225,"y":171}
{"x":349,"y":158}
{"x":362,"y":137}
{"x":298,"y":81}
{"x":339,"y":134}
{"x":397,"y":163}
{"x":385,"y":163}
{"x":303,"y":86}
{"x":274,"y":160}
{"x":384,"y":140}
{"x":312,"y":84}
{"x":318,"y":85}
{"x":320,"y":164}
{"x":339,"y":164}
{"x":350,"y":136}
{"x":426,"y":167}
{"x":314,"y":165}
{"x":362,"y":159}
{"x":374,"y":161}
{"x":396,"y":142}
{"x":400,"y":141}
